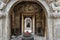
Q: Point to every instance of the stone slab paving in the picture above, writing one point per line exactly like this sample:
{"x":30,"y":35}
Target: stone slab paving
{"x":35,"y":38}
{"x":38,"y":38}
{"x":17,"y":38}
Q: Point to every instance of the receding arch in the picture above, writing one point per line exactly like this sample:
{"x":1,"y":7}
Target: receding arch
{"x":36,"y":10}
{"x":44,"y":7}
{"x":34,"y":1}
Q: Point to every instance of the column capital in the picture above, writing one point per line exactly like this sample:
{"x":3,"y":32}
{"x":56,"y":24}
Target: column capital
{"x":2,"y":15}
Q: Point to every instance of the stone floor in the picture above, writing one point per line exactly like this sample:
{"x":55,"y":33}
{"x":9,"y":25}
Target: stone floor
{"x":35,"y":38}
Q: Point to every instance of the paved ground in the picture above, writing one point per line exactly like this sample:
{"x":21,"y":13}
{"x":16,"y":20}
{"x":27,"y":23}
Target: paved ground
{"x":39,"y":38}
{"x":16,"y":38}
{"x":35,"y":38}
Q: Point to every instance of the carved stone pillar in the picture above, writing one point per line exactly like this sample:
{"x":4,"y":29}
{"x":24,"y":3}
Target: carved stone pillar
{"x":2,"y":16}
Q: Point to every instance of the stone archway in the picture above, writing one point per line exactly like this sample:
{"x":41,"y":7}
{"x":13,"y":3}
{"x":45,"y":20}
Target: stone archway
{"x":18,"y":2}
{"x":28,"y":9}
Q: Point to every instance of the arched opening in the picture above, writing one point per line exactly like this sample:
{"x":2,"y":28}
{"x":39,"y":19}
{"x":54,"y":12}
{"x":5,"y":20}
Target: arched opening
{"x":31,"y":10}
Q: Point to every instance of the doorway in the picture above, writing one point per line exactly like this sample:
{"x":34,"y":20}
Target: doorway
{"x":28,"y":23}
{"x":28,"y":16}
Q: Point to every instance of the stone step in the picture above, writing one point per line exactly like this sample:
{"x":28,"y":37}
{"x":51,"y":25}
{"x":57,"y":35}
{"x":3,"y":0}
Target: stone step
{"x":35,"y":38}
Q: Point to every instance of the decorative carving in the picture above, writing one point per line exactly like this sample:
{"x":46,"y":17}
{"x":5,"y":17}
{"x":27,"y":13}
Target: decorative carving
{"x":27,"y":7}
{"x":58,"y":2}
{"x":2,"y":4}
{"x":55,"y":6}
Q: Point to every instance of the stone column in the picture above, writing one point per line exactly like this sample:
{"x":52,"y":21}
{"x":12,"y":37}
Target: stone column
{"x":33,"y":25}
{"x":22,"y":24}
{"x":2,"y":26}
{"x":57,"y":29}
{"x":1,"y":29}
{"x":6,"y":27}
{"x":49,"y":29}
{"x":1,"y":34}
{"x":2,"y":23}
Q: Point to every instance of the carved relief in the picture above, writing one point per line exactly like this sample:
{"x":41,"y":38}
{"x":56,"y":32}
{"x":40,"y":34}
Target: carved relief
{"x":27,"y":7}
{"x":2,"y":4}
{"x":54,"y":5}
{"x":54,"y":8}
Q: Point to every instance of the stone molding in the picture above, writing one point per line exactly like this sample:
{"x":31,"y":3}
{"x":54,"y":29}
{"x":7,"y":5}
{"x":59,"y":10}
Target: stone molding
{"x":55,"y":15}
{"x":54,"y":5}
{"x":2,"y":15}
{"x":54,"y":8}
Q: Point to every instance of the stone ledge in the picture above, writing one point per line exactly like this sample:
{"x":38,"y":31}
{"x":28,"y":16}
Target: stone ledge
{"x":2,"y":15}
{"x":55,"y":16}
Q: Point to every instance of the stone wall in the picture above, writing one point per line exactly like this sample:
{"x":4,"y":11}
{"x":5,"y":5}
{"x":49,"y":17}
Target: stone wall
{"x":52,"y":21}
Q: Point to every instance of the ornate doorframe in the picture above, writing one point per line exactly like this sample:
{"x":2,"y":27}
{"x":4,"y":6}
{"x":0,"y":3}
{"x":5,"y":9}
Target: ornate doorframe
{"x":11,"y":5}
{"x":33,"y":10}
{"x":33,"y":23}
